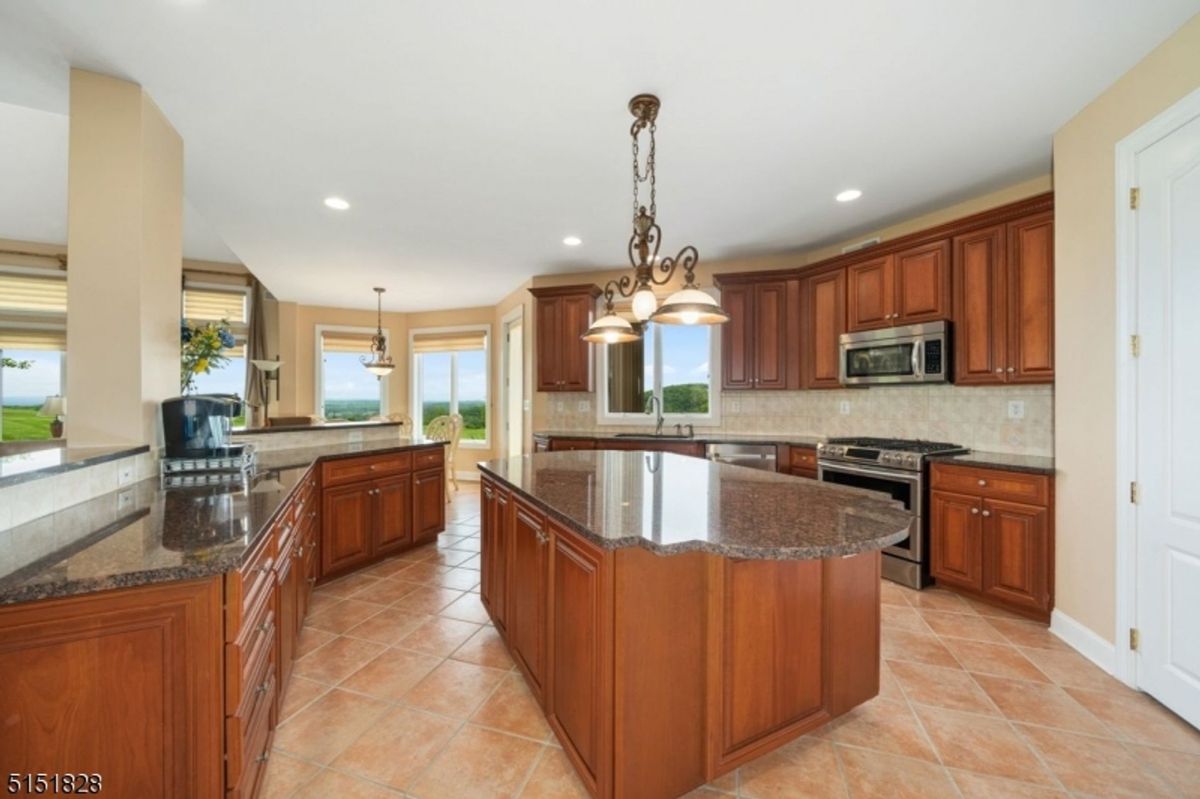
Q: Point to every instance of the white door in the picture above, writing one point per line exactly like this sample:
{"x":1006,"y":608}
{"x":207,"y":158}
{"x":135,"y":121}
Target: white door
{"x":1168,"y":420}
{"x":514,"y":389}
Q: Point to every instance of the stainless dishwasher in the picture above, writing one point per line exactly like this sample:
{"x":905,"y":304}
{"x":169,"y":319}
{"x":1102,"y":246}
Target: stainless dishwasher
{"x":752,"y":456}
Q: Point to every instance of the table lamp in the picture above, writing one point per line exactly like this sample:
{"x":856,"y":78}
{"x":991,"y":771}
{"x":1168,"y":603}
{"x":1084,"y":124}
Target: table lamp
{"x":56,"y":406}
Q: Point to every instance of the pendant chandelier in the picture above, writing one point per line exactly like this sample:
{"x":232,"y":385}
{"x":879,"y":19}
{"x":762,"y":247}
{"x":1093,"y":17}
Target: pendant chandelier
{"x":689,"y":305}
{"x":380,"y":364}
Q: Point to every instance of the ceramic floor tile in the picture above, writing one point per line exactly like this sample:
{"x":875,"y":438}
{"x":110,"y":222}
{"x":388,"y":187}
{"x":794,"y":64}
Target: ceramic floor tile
{"x":512,"y":708}
{"x":386,"y":592}
{"x":454,"y":688}
{"x":939,"y":599}
{"x":903,"y":617}
{"x":485,"y":648}
{"x":460,"y":579}
{"x":1040,"y":703}
{"x":961,"y":625}
{"x":428,"y":599}
{"x":310,"y":639}
{"x":467,"y":608}
{"x":1179,"y":769}
{"x":285,"y":774}
{"x":873,"y":775}
{"x":1028,"y":633}
{"x":1001,"y":660}
{"x":978,"y":743}
{"x":388,"y":626}
{"x":918,"y":647}
{"x":884,"y":726}
{"x":333,"y":784}
{"x":323,"y":729}
{"x":388,"y":568}
{"x":397,"y":747}
{"x":933,"y":685}
{"x":1140,"y":719}
{"x":1069,"y":668}
{"x":347,"y":586}
{"x":892,"y":594}
{"x":297,"y":693}
{"x":391,"y":675}
{"x":419,"y":554}
{"x":806,"y":767}
{"x":450,"y":557}
{"x":474,"y":563}
{"x":342,"y":616}
{"x":425,"y":572}
{"x":337,"y":660}
{"x":553,"y":778}
{"x":982,"y":786}
{"x":321,"y":601}
{"x":439,"y":636}
{"x":468,"y":545}
{"x":992,"y":611}
{"x":478,"y":764}
{"x":889,"y":687}
{"x":1094,"y":766}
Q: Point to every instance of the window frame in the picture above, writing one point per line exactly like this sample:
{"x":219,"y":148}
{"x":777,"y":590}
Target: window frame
{"x":414,"y":371}
{"x":319,"y":368}
{"x":712,"y":418}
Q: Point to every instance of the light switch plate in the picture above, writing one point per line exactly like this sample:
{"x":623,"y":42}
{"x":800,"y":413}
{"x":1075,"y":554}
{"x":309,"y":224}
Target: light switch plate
{"x":125,"y":500}
{"x":585,"y":405}
{"x":1016,"y":409}
{"x":124,"y":474}
{"x":844,"y":407}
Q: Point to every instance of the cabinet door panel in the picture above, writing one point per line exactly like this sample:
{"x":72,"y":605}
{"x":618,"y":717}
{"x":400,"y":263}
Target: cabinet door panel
{"x":527,"y":599}
{"x":346,"y":529}
{"x":548,"y":314}
{"x":955,"y":533}
{"x":575,"y":354}
{"x":922,"y":283}
{"x":770,"y":334}
{"x":980,"y":307}
{"x":1016,"y":553}
{"x":824,"y":321}
{"x":872,"y":294}
{"x":737,"y":338}
{"x":1031,"y":300}
{"x":428,"y":504}
{"x":392,"y":515}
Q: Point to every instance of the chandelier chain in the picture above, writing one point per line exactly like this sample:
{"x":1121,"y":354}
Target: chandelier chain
{"x":649,"y":174}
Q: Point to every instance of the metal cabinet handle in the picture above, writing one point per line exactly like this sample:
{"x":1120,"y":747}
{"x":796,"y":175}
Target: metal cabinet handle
{"x":987,"y":513}
{"x":982,"y":482}
{"x":264,"y":627}
{"x":262,"y":689}
{"x":1011,"y":370}
{"x":542,"y":537}
{"x":974,"y":510}
{"x":263,"y":757}
{"x":999,"y":370}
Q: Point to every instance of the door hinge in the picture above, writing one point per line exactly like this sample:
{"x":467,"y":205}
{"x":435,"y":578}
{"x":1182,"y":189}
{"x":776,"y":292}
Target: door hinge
{"x":1134,"y":494}
{"x":1135,"y":345}
{"x":1135,"y":195}
{"x":1135,"y":639}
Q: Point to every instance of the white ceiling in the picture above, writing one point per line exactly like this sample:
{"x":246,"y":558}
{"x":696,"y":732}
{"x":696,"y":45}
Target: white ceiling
{"x":471,"y":136}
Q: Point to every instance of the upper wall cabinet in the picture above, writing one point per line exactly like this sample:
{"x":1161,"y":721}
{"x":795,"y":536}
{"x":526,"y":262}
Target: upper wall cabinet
{"x":563,"y":314}
{"x":901,"y":288}
{"x":823,"y":320}
{"x":1004,"y":303}
{"x":755,"y":344}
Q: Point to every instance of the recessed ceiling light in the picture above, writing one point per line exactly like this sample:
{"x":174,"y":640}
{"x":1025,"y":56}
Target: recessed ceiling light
{"x":572,"y":241}
{"x":847,"y":196}
{"x":336,"y":203}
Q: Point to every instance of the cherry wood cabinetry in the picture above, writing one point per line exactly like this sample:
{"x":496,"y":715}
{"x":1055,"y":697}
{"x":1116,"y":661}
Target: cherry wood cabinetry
{"x":991,"y":533}
{"x":393,"y":515}
{"x":346,"y":535}
{"x":1031,"y":300}
{"x":797,"y":460}
{"x":545,"y":443}
{"x":494,"y":536}
{"x":823,"y":320}
{"x":429,"y":504}
{"x":528,"y":581}
{"x":562,"y":314}
{"x":754,"y":343}
{"x":900,"y":288}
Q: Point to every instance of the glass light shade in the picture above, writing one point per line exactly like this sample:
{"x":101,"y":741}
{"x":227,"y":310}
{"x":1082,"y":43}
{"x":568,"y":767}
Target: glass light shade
{"x":55,"y":405}
{"x":644,"y":303}
{"x":267,"y":366}
{"x":611,"y":329}
{"x":690,"y":306}
{"x":380,"y":368}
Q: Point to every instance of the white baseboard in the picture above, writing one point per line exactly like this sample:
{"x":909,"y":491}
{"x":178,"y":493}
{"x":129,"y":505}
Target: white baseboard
{"x":467,"y":475}
{"x":1083,"y":640}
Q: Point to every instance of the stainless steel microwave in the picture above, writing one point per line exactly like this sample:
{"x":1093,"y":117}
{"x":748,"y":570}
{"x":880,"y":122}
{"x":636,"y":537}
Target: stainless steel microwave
{"x":893,"y":355}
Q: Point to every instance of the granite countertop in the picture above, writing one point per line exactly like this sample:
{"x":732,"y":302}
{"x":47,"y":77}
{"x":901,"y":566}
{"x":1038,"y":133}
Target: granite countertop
{"x":300,"y":428}
{"x":35,"y":464}
{"x":1034,"y":464}
{"x":701,"y":438}
{"x":670,"y":503}
{"x":146,"y":533}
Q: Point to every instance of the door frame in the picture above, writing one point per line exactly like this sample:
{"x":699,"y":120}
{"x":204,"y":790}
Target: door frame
{"x":515,"y":315}
{"x":1125,"y":663}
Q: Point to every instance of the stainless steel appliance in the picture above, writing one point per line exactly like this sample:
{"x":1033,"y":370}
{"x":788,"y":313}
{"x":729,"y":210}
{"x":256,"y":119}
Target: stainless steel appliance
{"x":199,"y":445}
{"x":909,"y":354}
{"x":899,"y":469}
{"x":754,"y":456}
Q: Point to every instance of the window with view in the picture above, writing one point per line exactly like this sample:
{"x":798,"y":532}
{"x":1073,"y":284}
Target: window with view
{"x":33,"y":342}
{"x":670,"y":362}
{"x":205,"y":303}
{"x":346,"y":391}
{"x":450,"y":375}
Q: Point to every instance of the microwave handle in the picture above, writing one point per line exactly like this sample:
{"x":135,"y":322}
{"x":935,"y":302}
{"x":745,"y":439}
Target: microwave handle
{"x":918,"y":361}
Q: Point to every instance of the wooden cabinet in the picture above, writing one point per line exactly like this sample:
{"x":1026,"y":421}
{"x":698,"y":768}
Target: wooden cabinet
{"x":901,"y":288}
{"x":754,"y":343}
{"x":123,"y":683}
{"x":528,"y":592}
{"x":494,"y":535}
{"x":562,"y":315}
{"x":393,"y":518}
{"x":797,"y":460}
{"x":991,"y":533}
{"x":429,"y":504}
{"x":288,"y":586}
{"x":1004,"y":303}
{"x":346,"y":535}
{"x":823,"y":321}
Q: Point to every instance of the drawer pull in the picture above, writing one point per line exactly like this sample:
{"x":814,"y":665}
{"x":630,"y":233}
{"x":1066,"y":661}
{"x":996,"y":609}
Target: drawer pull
{"x":982,"y":482}
{"x":262,"y":689}
{"x":263,"y":757}
{"x":987,"y":513}
{"x":974,"y":510}
{"x":542,"y":537}
{"x":265,"y":627}
{"x":372,"y":466}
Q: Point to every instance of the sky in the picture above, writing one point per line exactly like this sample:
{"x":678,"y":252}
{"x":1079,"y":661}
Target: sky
{"x":32,"y":385}
{"x":685,"y":354}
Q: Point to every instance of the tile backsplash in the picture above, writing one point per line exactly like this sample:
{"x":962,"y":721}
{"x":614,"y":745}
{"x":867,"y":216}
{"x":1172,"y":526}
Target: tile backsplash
{"x":978,"y":418}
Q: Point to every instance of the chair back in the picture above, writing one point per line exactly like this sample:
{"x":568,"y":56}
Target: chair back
{"x":406,"y":423}
{"x":448,"y":429}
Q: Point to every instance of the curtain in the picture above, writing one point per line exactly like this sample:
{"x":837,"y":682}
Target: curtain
{"x":456,"y":341}
{"x":256,"y":348}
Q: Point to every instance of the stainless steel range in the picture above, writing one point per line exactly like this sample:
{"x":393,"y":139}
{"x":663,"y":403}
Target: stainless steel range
{"x":899,"y":469}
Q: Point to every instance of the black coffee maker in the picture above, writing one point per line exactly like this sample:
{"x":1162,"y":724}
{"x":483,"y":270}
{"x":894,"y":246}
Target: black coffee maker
{"x":199,"y":425}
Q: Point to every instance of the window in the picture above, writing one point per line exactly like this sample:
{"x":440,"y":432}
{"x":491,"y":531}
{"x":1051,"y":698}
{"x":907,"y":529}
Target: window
{"x":346,"y":391}
{"x":204,"y":303}
{"x":671,"y":362}
{"x":33,"y":343}
{"x":450,"y":375}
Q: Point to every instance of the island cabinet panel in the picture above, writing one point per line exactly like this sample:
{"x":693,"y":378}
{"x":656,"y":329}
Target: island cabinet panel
{"x":823,"y":321}
{"x":429,"y":504}
{"x":394,"y":519}
{"x":580,"y":636}
{"x":528,"y":594}
{"x":123,"y":683}
{"x":346,"y":539}
{"x":493,"y":555}
{"x":561,"y":315}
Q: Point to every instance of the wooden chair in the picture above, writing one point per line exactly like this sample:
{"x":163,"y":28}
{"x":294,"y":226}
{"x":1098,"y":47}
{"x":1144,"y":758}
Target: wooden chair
{"x":406,"y":423}
{"x":448,"y":429}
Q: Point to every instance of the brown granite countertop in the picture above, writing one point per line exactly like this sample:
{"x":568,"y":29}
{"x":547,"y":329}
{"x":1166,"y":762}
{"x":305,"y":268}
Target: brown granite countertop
{"x":34,"y":464}
{"x":301,"y":428}
{"x":702,"y":438}
{"x":673,"y":503}
{"x":1009,"y":462}
{"x":146,"y":533}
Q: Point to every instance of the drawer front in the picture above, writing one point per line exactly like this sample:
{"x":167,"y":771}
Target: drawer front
{"x":351,"y":470}
{"x":1032,"y":489}
{"x":247,"y":737}
{"x":246,"y":658}
{"x":429,"y":458}
{"x":247,"y":587}
{"x":803,"y":459}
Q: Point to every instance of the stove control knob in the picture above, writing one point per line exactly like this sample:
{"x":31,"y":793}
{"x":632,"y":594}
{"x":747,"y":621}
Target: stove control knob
{"x":912,"y":461}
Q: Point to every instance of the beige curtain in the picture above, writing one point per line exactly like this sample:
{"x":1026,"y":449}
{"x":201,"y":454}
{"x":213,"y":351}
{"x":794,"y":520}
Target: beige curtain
{"x":256,"y":347}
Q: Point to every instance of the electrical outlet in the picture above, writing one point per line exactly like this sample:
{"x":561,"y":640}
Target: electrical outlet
{"x":560,"y":406}
{"x":735,"y":406}
{"x":844,"y":407}
{"x":125,"y":500}
{"x":356,"y":436}
{"x":125,"y":474}
{"x":1016,"y":409}
{"x":584,"y":405}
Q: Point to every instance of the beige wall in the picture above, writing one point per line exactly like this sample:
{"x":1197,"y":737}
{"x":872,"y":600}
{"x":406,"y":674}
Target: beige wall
{"x":1085,"y":320}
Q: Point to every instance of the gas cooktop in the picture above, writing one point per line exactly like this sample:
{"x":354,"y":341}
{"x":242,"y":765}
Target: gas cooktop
{"x":897,"y":453}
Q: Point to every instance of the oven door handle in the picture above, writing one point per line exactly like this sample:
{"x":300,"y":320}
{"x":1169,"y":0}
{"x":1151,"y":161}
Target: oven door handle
{"x":906,"y":477}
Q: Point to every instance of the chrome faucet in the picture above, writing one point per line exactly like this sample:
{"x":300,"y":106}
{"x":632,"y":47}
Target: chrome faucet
{"x":655,"y":405}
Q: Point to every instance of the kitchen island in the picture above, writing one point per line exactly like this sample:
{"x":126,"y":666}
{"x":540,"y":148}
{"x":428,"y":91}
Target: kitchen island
{"x":676,"y":618}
